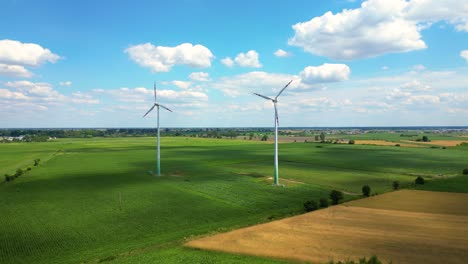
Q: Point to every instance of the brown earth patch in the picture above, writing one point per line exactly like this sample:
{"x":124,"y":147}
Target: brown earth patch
{"x":444,"y":143}
{"x":383,"y":225}
{"x":383,"y":143}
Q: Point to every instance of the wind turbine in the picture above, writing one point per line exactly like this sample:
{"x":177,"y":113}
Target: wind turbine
{"x":158,"y":156}
{"x":276,"y":178}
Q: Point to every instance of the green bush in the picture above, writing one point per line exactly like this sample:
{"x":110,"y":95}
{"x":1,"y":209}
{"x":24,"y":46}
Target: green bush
{"x":310,"y":206}
{"x":351,"y":141}
{"x":8,"y":178}
{"x":371,"y":260}
{"x":397,"y":145}
{"x":366,"y":190}
{"x":323,"y":202}
{"x":29,"y":168}
{"x":419,"y":180}
{"x":36,"y":162}
{"x":396,"y":185}
{"x":465,"y":171}
{"x":19,"y":172}
{"x":336,"y":196}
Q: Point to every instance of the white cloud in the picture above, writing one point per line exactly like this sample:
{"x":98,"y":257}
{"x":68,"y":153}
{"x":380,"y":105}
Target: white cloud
{"x":282,"y":53}
{"x":464,"y":55}
{"x":325,"y":73}
{"x":66,"y":83}
{"x":162,"y":59}
{"x":415,"y":86}
{"x":142,"y":94}
{"x":249,"y":59}
{"x":378,"y":27}
{"x":13,"y":52}
{"x":419,"y":67}
{"x":252,"y":81}
{"x":454,"y":12}
{"x":227,"y":62}
{"x":199,"y":76}
{"x":82,"y":98}
{"x":422,"y":99}
{"x":181,"y":84}
{"x":385,"y":68}
{"x":14,"y":71}
{"x":43,"y":93}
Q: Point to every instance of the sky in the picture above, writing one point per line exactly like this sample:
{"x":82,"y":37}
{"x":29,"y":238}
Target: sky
{"x":352,"y":63}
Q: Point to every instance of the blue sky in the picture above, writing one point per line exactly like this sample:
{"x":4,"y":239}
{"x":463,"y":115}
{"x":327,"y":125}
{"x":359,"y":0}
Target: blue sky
{"x":353,"y":63}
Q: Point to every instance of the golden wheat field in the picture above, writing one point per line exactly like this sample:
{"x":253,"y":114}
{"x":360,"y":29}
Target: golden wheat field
{"x":403,"y":227}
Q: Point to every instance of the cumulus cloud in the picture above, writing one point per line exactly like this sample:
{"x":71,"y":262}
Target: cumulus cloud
{"x":464,"y":55}
{"x":66,"y":83}
{"x":162,"y":59}
{"x":325,"y":73}
{"x":182,"y":84}
{"x":282,"y":53}
{"x":199,"y":76}
{"x":248,"y":59}
{"x":42,"y":94}
{"x":252,"y":81}
{"x":142,"y":94}
{"x":227,"y":62}
{"x":14,"y":71}
{"x":13,"y":52}
{"x":378,"y":27}
{"x":15,"y":56}
{"x":430,"y":11}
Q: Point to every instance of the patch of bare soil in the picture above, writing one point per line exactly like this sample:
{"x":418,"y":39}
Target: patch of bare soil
{"x":382,"y":225}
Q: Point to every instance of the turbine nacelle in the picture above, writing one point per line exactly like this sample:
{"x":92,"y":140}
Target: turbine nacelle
{"x":156,"y":104}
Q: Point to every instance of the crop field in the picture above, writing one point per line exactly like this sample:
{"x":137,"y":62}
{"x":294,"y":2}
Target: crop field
{"x":92,"y":200}
{"x":395,"y":226}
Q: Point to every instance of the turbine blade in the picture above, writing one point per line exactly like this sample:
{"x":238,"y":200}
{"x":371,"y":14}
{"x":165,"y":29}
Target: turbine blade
{"x":276,"y":114}
{"x":154,"y":92}
{"x":151,"y":109}
{"x":165,"y":108}
{"x":268,"y":98}
{"x":284,"y":88}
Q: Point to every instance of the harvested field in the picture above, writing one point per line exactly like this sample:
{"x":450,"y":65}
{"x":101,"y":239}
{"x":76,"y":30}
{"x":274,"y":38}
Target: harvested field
{"x":444,"y":143}
{"x":384,"y":143}
{"x":437,"y":233}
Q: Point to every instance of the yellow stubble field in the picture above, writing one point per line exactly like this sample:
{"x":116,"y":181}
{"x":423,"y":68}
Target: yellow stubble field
{"x":406,"y":226}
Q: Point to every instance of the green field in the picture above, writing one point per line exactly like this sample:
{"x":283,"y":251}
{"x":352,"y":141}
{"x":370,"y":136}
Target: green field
{"x":92,"y":200}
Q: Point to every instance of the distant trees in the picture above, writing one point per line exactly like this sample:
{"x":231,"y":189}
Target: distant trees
{"x":465,"y":171}
{"x":322,"y":137}
{"x":366,"y":190}
{"x":317,"y":138}
{"x":310,"y":206}
{"x":371,"y":260}
{"x":396,"y":185}
{"x":351,"y":141}
{"x":336,"y":196}
{"x":323,"y":202}
{"x":425,"y":139}
{"x":419,"y":180}
{"x":264,"y":138}
{"x":251,"y":136}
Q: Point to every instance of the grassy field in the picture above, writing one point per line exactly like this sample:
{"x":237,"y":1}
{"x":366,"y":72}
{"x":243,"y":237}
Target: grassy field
{"x":395,"y":226}
{"x":92,"y":200}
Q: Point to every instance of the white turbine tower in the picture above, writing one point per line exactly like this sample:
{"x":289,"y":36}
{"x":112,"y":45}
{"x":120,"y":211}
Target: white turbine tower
{"x":276,"y":177}
{"x":158,"y":156}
